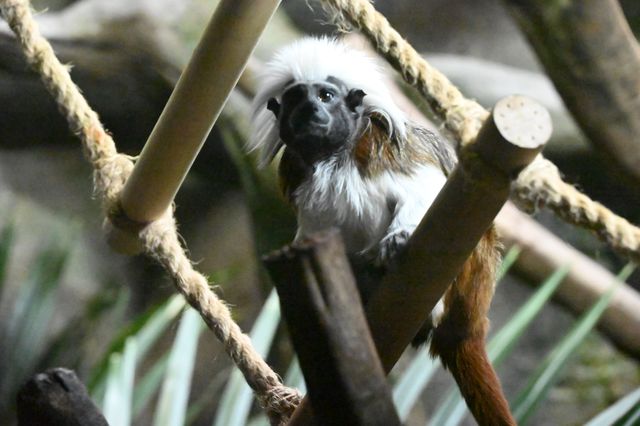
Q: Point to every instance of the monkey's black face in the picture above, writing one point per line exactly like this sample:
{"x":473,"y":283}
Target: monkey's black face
{"x":318,"y":119}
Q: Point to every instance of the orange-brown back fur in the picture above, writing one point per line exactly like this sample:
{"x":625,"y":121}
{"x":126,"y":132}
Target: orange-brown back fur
{"x":375,"y":152}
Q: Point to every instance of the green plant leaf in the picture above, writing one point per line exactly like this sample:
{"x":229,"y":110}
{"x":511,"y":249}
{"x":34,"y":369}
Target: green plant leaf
{"x":6,"y":242}
{"x":545,"y":376}
{"x":174,"y":396}
{"x":618,"y":411}
{"x":631,"y":419}
{"x":118,"y":394}
{"x":260,"y":420}
{"x":507,"y":261}
{"x":203,"y":401}
{"x":413,"y":381}
{"x":25,"y":336}
{"x":147,"y":328}
{"x":34,"y":302}
{"x":453,"y":409}
{"x":106,"y":305}
{"x":416,"y":377}
{"x":504,"y":340}
{"x":237,"y":397}
{"x":149,"y":384}
{"x":294,"y":377}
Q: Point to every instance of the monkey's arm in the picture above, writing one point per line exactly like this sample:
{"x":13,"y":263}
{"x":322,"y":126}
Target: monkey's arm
{"x":409,"y":198}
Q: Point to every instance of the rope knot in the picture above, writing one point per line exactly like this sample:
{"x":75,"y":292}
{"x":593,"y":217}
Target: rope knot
{"x":280,"y":402}
{"x":531,"y":187}
{"x":109,"y":176}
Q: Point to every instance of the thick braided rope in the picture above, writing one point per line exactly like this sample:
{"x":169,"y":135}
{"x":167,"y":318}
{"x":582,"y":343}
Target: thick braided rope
{"x":160,"y":238}
{"x":539,"y":185}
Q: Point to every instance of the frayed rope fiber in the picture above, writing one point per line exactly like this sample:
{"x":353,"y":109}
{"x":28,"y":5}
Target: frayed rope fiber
{"x":159,"y":238}
{"x":539,"y":185}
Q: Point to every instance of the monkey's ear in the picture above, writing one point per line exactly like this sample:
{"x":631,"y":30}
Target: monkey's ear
{"x":274,"y":106}
{"x":354,"y":98}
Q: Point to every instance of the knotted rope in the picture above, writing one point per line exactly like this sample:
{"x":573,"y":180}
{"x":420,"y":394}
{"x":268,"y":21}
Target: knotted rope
{"x":537,"y":186}
{"x":160,"y":238}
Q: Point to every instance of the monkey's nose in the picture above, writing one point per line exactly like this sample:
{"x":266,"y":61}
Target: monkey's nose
{"x":316,"y":115}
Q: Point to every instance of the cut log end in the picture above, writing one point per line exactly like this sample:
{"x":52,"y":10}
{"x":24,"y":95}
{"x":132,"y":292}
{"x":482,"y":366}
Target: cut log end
{"x":515,"y":134}
{"x":522,"y":121}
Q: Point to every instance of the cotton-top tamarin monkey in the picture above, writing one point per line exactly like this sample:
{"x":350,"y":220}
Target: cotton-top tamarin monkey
{"x":351,"y":159}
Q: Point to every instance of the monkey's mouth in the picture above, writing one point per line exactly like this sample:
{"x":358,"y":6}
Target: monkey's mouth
{"x":312,"y":130}
{"x":311,"y":127}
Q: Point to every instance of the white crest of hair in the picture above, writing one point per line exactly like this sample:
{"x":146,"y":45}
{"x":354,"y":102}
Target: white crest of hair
{"x":314,"y":59}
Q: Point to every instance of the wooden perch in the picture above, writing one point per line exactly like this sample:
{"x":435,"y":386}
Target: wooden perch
{"x":324,"y":315}
{"x":463,"y":211}
{"x":57,"y":397}
{"x":465,"y":208}
{"x":590,"y":53}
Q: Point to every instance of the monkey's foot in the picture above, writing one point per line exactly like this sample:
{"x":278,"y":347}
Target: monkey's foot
{"x":390,"y":246}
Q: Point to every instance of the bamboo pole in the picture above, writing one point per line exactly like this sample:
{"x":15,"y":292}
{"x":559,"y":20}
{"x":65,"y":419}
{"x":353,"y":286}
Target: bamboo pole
{"x":463,"y":211}
{"x":194,"y":105}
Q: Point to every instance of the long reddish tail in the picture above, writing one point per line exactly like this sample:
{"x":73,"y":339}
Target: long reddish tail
{"x":459,"y":339}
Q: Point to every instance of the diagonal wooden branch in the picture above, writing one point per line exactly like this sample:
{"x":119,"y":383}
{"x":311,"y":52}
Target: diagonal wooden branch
{"x":590,"y":53}
{"x":460,"y":215}
{"x":324,"y":315}
{"x":463,"y":211}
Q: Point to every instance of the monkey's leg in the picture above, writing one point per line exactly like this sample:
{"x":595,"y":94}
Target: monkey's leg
{"x":459,"y":339}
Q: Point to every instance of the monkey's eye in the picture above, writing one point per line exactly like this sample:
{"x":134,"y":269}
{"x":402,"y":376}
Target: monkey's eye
{"x":325,"y":95}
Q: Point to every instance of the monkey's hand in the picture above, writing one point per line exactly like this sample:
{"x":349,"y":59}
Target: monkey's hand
{"x":391,"y":246}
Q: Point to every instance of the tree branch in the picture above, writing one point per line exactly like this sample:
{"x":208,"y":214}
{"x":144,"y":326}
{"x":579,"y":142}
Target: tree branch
{"x":593,"y":59}
{"x":324,"y":315}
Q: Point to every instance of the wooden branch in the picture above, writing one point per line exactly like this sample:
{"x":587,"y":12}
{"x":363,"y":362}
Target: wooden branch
{"x":463,"y":211}
{"x":542,"y":253}
{"x":57,"y":397}
{"x":590,"y":53}
{"x":193,"y":107}
{"x":324,"y":315}
{"x":455,"y":222}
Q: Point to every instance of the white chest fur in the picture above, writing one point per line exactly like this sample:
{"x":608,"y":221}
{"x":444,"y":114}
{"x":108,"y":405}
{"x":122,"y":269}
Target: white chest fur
{"x":364,"y":209}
